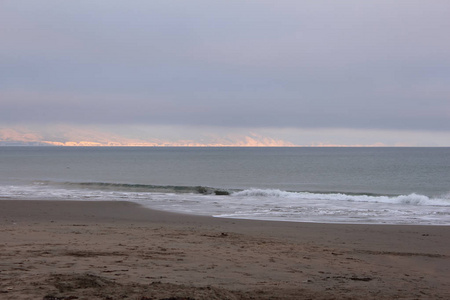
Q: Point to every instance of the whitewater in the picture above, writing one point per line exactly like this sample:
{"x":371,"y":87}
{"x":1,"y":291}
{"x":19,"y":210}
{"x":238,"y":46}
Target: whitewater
{"x":258,"y":204}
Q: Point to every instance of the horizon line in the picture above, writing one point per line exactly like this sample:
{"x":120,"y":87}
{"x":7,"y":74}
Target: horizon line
{"x":217,"y":146}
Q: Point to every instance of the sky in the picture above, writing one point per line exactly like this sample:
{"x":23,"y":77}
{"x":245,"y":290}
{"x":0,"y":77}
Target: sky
{"x":231,"y":73}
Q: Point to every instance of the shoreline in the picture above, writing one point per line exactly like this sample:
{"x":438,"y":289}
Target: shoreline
{"x":50,"y":247}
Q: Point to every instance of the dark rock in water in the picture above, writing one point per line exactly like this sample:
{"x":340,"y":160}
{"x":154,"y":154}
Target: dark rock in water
{"x":208,"y":191}
{"x":202,"y":190}
{"x":221,"y":193}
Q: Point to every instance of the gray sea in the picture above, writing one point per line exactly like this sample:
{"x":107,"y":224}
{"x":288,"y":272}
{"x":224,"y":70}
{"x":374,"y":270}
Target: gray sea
{"x":330,"y":185}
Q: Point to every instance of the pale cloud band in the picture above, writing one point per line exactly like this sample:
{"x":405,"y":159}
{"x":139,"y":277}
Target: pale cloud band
{"x":186,"y":136}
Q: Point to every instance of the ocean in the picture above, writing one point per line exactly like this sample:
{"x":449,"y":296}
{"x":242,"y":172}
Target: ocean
{"x":328,"y":185}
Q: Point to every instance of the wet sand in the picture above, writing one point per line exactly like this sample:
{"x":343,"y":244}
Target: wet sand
{"x":120,"y":250}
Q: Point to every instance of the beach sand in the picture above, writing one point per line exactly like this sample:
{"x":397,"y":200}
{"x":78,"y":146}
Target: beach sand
{"x":120,"y":250}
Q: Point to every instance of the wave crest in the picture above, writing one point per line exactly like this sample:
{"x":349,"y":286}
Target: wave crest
{"x":411,"y":199}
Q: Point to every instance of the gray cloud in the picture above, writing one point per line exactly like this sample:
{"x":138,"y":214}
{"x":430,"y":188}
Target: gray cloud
{"x":352,"y":64}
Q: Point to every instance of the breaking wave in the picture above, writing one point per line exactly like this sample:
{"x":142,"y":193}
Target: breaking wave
{"x":411,"y":199}
{"x":263,"y":204}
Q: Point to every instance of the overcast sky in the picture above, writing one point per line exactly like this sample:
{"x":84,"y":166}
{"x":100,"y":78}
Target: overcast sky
{"x":307,"y":72}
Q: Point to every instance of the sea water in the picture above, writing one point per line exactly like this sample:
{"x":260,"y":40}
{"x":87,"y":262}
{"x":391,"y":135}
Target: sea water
{"x":331,"y":185}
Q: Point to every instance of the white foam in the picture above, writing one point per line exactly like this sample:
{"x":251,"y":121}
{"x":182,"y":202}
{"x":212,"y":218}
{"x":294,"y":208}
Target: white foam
{"x":266,"y":204}
{"x":411,"y":199}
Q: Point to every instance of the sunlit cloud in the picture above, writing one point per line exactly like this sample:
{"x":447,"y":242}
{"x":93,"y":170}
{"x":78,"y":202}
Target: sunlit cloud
{"x":17,"y":135}
{"x":354,"y":145}
{"x":69,"y":136}
{"x":178,"y":136}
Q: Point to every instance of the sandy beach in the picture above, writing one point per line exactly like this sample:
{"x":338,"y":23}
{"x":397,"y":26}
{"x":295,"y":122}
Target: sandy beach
{"x":120,"y":250}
